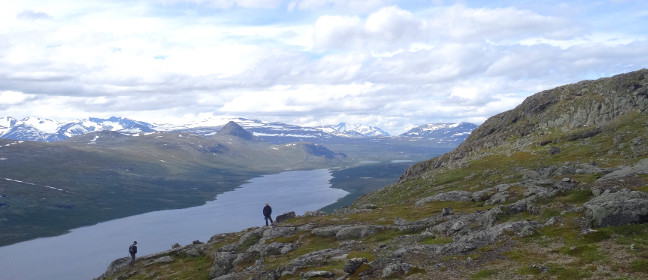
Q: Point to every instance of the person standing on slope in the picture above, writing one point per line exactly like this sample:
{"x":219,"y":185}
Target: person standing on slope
{"x":133,"y":250}
{"x":267,"y":212}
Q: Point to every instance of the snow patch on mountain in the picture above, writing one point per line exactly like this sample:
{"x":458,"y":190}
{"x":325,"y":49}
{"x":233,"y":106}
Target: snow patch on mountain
{"x":43,"y":125}
{"x":444,"y":132}
{"x":45,"y":130}
{"x":353,"y":130}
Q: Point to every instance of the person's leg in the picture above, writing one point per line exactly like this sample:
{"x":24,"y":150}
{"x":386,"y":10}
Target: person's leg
{"x":266,"y":218}
{"x":132,"y":262}
{"x":271,"y":221}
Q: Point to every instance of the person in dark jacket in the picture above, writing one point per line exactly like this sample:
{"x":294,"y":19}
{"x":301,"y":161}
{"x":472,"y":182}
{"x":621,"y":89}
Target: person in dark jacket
{"x":267,"y":212}
{"x":133,"y":250}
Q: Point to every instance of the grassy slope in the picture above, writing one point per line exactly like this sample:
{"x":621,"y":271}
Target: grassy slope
{"x":558,"y":251}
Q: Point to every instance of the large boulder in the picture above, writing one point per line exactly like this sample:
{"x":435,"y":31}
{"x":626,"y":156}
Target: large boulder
{"x":251,"y":237}
{"x":223,"y":263}
{"x":640,"y":168}
{"x":115,"y":267}
{"x":316,"y":258}
{"x":356,"y":232}
{"x":285,"y":216}
{"x":486,"y":194}
{"x":618,"y":208}
{"x":327,"y":231}
{"x":629,"y":176}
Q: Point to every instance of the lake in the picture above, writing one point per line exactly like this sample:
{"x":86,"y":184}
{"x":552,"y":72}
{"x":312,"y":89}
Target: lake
{"x":85,"y":253}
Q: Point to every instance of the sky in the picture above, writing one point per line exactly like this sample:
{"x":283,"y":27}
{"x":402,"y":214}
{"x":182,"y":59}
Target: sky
{"x":391,"y":64}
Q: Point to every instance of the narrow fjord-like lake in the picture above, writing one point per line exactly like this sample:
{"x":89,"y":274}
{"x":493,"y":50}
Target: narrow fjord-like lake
{"x":86,"y":252}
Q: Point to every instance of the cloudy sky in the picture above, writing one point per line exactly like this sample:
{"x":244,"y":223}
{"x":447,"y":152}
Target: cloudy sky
{"x":393,"y":64}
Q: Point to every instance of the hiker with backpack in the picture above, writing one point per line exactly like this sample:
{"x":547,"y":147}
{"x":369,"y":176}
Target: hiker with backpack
{"x":267,"y":212}
{"x":132,"y":250}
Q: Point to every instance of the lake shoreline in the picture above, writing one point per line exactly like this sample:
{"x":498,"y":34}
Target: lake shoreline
{"x":229,"y":212}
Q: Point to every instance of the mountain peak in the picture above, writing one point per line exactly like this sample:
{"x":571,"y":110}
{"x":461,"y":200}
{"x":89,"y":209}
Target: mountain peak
{"x":233,"y":129}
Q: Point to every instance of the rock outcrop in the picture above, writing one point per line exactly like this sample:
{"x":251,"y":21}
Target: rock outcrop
{"x":571,"y":108}
{"x":618,"y":208}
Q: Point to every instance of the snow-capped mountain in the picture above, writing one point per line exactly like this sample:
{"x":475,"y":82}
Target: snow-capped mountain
{"x":45,"y":130}
{"x":271,"y":132}
{"x":32,"y":129}
{"x":443,"y":132}
{"x":276,"y":132}
{"x":346,"y":130}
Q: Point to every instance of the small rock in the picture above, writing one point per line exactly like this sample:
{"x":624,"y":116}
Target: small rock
{"x":400,"y":221}
{"x":457,"y":226}
{"x":447,"y":211}
{"x":427,"y":234}
{"x":566,"y":179}
{"x":317,"y":273}
{"x":395,"y":269}
{"x":368,"y":206}
{"x":353,"y":264}
{"x":165,"y":259}
{"x":553,"y":220}
{"x":554,"y":150}
{"x":542,"y":269}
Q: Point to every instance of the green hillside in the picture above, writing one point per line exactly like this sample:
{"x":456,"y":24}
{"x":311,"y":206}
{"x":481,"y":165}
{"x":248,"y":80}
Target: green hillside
{"x":556,"y":188}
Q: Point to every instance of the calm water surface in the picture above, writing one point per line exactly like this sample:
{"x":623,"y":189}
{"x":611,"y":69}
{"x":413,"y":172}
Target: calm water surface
{"x":86,"y":252}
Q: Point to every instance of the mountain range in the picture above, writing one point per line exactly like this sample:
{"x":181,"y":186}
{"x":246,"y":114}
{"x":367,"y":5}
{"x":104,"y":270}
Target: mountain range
{"x":105,"y":175}
{"x":46,"y":130}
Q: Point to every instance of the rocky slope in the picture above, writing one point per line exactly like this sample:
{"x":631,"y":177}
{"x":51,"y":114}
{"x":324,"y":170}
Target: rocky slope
{"x":553,"y":189}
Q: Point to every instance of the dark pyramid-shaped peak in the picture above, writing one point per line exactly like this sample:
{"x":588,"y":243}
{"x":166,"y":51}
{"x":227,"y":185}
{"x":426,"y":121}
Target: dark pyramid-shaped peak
{"x":233,"y":129}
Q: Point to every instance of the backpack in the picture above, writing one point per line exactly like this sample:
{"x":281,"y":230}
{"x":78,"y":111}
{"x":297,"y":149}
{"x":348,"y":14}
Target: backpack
{"x":131,"y":249}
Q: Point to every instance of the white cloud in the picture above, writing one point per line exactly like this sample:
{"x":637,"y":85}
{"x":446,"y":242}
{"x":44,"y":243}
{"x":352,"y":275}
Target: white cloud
{"x":350,"y":6}
{"x":227,"y":4}
{"x":468,"y":24}
{"x":33,"y":15}
{"x":386,"y":28}
{"x":12,"y":97}
{"x":393,"y":27}
{"x":395,"y":64}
